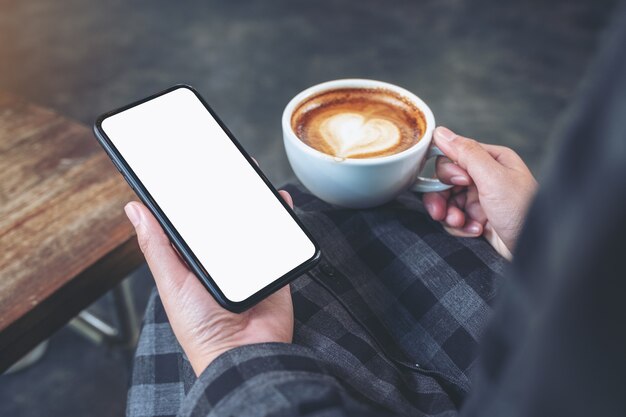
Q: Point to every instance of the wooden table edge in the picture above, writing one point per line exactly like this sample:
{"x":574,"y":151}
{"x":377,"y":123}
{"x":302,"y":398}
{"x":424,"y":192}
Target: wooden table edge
{"x":23,"y":335}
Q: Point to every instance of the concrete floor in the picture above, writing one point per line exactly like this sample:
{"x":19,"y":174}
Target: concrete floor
{"x":502,"y":73}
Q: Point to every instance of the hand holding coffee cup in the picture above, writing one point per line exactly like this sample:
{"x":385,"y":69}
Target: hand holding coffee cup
{"x":359,"y":143}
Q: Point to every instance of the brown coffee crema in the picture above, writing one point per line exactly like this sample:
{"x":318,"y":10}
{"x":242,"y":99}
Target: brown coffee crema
{"x":358,"y":122}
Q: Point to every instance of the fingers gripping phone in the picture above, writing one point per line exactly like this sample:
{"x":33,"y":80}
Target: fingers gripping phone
{"x":220,"y":212}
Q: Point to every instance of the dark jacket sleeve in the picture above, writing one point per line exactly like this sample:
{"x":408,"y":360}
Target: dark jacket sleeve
{"x":557,"y":345}
{"x":272,"y":379}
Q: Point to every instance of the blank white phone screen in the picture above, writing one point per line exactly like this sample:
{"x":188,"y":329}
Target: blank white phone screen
{"x":229,"y":218}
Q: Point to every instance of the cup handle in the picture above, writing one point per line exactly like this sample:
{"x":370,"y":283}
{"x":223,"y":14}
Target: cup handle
{"x":429,"y":185}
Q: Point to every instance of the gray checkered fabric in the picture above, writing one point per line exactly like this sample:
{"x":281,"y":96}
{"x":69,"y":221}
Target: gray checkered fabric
{"x":386,"y":324}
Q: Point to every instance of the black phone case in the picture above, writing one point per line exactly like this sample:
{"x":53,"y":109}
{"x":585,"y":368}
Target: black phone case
{"x":177,"y":241}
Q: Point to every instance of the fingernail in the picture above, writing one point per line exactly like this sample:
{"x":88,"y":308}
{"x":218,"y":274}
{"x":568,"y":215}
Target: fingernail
{"x":133,"y":214}
{"x":459,"y":180}
{"x":473,"y":229}
{"x":445,"y":133}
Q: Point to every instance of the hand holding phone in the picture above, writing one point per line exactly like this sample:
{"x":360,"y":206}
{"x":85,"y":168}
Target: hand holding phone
{"x":210,"y":220}
{"x":203,"y":328}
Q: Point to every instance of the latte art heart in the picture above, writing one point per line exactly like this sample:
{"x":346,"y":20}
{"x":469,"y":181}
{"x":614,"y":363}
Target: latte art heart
{"x":358,"y":123}
{"x":352,"y":134}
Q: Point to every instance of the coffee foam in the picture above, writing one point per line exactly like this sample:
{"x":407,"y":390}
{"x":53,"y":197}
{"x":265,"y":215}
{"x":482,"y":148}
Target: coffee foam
{"x":358,"y":123}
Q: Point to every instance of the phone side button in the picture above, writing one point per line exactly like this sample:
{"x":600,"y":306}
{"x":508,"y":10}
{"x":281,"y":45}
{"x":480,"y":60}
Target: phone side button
{"x":128,"y":182}
{"x":116,"y":165}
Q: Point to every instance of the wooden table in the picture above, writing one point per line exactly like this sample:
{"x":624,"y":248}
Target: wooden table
{"x":64,"y":238}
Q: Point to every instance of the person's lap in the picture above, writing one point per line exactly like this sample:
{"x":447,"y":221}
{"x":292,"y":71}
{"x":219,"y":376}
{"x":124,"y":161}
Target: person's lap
{"x":395,"y":304}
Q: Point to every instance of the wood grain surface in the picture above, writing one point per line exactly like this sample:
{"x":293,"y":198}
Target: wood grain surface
{"x":64,"y":239}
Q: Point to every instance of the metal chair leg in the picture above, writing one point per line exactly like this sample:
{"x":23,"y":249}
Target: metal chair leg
{"x":101,"y":332}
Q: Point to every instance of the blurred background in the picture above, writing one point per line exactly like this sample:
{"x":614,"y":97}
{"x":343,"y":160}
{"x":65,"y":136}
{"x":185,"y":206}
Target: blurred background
{"x":501,"y":72}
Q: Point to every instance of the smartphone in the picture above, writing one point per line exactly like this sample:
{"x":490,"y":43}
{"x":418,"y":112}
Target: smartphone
{"x":220,"y":212}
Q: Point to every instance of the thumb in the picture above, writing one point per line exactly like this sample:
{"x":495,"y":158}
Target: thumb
{"x":163,"y":261}
{"x":468,"y":154}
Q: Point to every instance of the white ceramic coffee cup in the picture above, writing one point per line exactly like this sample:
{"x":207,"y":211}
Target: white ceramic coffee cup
{"x":365,"y":182}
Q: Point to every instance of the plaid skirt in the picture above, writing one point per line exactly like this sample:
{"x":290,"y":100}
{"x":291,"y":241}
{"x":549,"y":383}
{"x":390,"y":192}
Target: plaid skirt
{"x":392,"y":315}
